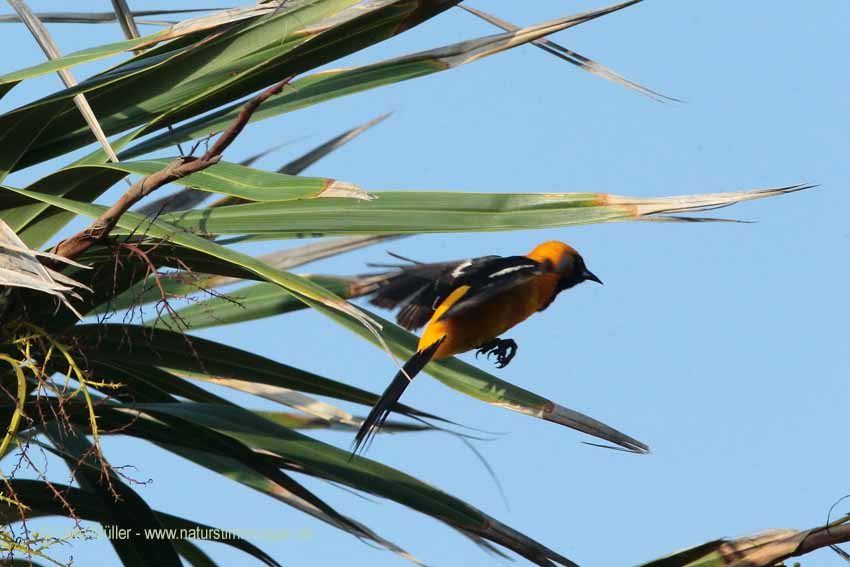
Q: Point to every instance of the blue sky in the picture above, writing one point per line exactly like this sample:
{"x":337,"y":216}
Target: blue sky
{"x":723,"y":346}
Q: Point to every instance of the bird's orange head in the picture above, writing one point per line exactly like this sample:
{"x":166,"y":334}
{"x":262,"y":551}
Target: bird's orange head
{"x":564,"y":261}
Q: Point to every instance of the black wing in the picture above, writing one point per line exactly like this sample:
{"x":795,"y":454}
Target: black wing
{"x":418,"y":289}
{"x":493,"y":278}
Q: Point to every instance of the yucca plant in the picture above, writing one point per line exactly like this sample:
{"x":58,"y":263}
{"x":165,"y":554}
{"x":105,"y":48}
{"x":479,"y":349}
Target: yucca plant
{"x":80,"y":362}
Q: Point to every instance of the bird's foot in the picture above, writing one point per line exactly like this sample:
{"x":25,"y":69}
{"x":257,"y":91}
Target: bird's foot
{"x":504,"y":349}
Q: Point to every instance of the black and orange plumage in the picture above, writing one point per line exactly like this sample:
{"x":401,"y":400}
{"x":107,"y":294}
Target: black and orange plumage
{"x":467,"y":305}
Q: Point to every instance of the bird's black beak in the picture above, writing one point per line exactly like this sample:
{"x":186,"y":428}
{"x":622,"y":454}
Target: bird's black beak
{"x":588,"y":275}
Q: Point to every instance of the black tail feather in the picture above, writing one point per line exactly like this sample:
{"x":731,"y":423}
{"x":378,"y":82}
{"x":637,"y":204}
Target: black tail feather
{"x":382,"y":409}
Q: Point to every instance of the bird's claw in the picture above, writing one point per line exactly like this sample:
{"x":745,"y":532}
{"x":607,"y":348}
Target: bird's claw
{"x":504,"y":349}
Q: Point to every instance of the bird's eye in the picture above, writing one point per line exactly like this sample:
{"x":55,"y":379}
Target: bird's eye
{"x":565,"y":264}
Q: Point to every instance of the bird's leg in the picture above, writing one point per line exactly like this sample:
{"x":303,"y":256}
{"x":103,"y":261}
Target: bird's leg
{"x":504,"y":349}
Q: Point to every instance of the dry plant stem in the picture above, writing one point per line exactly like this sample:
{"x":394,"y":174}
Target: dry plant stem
{"x":822,"y":537}
{"x":99,"y":229}
{"x":125,"y":18}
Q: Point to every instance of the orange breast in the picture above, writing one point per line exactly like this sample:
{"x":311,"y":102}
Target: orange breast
{"x":487,"y":321}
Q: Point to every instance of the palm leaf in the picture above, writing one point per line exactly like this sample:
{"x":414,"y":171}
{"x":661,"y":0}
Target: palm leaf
{"x":573,"y":58}
{"x":409,"y":212}
{"x":310,"y":292}
{"x":138,"y":347}
{"x":244,"y":182}
{"x":216,"y":70}
{"x":332,"y":464}
{"x":327,"y":85}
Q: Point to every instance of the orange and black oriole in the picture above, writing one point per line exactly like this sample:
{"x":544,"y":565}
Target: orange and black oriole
{"x":467,"y":305}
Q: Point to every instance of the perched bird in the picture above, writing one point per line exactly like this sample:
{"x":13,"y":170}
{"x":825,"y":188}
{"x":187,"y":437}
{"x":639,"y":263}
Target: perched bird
{"x":467,"y":305}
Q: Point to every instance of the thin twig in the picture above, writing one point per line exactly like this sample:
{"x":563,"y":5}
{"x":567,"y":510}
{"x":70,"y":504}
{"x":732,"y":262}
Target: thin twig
{"x":181,"y":167}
